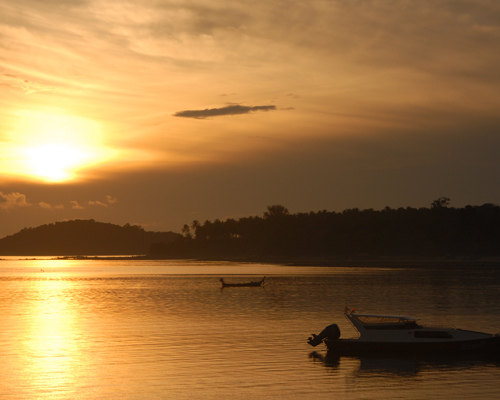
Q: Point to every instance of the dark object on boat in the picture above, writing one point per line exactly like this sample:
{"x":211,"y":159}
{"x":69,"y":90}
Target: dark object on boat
{"x":390,"y":334}
{"x":331,"y":332}
{"x":243,"y":284}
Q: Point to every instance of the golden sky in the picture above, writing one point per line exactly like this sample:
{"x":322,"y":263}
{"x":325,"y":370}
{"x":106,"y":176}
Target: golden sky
{"x":202,"y":109}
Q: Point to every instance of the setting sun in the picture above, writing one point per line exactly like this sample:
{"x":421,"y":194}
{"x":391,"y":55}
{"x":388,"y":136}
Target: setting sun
{"x":55,"y":162}
{"x":53,"y":147}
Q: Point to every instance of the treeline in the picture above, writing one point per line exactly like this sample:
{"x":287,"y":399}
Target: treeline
{"x":439,"y":230}
{"x":83,"y":237}
{"x":436,"y":231}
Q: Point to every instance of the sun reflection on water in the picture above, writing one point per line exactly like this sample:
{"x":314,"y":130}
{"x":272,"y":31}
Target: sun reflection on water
{"x":53,"y":354}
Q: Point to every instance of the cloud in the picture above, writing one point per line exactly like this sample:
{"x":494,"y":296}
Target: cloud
{"x":75,"y":205}
{"x":49,"y":206}
{"x":110,"y":200}
{"x":25,"y":85}
{"x":233,"y":109}
{"x":13,"y":200}
{"x":97,"y":203}
{"x":18,"y":200}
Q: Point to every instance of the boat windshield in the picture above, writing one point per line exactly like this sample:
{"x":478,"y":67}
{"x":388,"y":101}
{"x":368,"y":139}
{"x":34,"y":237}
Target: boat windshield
{"x":375,"y":319}
{"x":386,"y":321}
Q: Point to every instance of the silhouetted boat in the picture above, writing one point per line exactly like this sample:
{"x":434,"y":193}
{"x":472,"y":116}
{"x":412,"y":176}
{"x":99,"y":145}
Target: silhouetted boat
{"x":243,"y":284}
{"x":386,"y":334}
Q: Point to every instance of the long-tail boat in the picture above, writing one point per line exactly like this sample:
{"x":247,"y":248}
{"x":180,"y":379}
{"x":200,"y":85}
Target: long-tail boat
{"x":242,"y":284}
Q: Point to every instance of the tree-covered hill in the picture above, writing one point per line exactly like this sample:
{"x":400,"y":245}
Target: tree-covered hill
{"x":437,"y":231}
{"x":82,"y":237}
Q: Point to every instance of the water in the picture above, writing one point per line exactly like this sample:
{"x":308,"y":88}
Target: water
{"x":164,"y":329}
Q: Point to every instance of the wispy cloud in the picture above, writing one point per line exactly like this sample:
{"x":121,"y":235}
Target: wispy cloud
{"x":48,"y":206}
{"x":18,"y":200}
{"x":25,"y":85}
{"x":13,"y":200}
{"x":79,"y":204}
{"x":233,"y":109}
{"x":109,"y":201}
{"x":75,"y":205}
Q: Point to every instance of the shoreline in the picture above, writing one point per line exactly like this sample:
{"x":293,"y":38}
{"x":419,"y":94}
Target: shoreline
{"x":364,"y":261}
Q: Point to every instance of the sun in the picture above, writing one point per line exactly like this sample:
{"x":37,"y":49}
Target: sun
{"x":55,"y":162}
{"x":53,"y":147}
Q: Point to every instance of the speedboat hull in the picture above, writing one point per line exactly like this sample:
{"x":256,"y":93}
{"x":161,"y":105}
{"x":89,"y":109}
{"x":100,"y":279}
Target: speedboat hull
{"x":393,"y":334}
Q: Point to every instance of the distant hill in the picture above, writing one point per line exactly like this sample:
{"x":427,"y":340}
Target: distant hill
{"x":83,"y":237}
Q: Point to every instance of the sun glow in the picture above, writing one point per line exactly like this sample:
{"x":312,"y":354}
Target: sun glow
{"x":55,"y":162}
{"x":53,"y":147}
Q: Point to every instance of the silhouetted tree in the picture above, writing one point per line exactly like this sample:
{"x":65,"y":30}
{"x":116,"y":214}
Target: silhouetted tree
{"x":186,"y":231}
{"x":441,"y":202}
{"x":276,"y":211}
{"x":194,"y":226}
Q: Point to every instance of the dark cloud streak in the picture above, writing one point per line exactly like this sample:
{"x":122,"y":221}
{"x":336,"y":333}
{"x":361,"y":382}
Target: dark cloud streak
{"x":234,"y":109}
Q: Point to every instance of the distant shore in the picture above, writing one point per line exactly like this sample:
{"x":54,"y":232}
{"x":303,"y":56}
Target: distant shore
{"x":359,"y":261}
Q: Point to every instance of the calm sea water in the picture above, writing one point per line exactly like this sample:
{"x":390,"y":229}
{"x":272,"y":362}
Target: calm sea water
{"x":166,"y":330}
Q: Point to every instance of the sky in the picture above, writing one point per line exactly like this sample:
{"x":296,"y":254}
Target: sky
{"x":161,"y":112}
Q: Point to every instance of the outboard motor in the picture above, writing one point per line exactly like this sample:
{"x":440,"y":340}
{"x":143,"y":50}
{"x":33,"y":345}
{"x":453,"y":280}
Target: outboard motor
{"x":331,"y":332}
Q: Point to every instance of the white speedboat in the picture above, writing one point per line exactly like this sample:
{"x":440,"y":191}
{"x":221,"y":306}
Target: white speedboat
{"x":402,"y":335}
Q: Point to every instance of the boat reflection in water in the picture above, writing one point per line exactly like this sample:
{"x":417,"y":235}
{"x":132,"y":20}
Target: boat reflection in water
{"x":403,"y":365}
